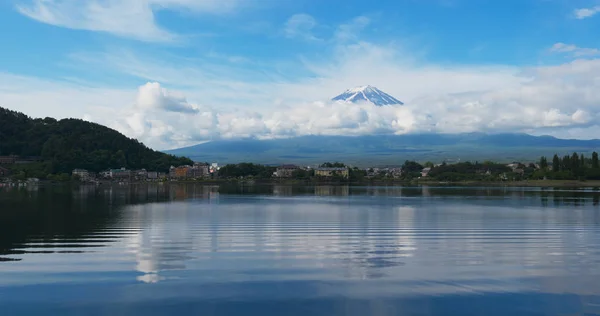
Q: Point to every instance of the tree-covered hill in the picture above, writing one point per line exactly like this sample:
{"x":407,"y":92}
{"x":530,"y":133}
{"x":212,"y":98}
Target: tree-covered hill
{"x":71,"y":143}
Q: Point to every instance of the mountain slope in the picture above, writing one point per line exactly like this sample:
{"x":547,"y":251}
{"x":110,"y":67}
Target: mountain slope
{"x":71,"y":143}
{"x":386,"y":149}
{"x":367,"y":94}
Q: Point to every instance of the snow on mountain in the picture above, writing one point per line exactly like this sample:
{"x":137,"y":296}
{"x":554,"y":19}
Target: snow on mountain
{"x":369,"y":94}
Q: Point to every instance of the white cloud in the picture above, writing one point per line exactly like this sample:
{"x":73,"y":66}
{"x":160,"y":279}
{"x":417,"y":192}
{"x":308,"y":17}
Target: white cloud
{"x":586,"y":12}
{"x":541,"y":103}
{"x":152,"y":96}
{"x":574,"y":50}
{"x":300,"y":26}
{"x":351,"y":30}
{"x":125,"y":18}
{"x":187,"y":101}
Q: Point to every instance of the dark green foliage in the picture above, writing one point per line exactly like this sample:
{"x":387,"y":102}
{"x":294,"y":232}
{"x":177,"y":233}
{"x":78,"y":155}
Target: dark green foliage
{"x":593,"y":174}
{"x":570,"y":167}
{"x":246,"y":170}
{"x":468,"y":171}
{"x":543,"y":163}
{"x":70,"y":143}
{"x":303,"y":174}
{"x":356,"y":174}
{"x":411,"y":166}
{"x":333,"y":165}
{"x":555,"y":163}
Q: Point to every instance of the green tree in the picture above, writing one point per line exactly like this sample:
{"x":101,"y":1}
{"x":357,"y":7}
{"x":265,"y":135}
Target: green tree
{"x":356,"y":174}
{"x":556,"y":163}
{"x":70,"y":143}
{"x":543,"y":163}
{"x":566,"y":163}
{"x":333,"y":165}
{"x":411,"y":166}
{"x":595,"y":164}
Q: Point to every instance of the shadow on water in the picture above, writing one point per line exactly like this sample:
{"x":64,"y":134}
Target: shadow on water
{"x":299,"y":250}
{"x":47,"y":214}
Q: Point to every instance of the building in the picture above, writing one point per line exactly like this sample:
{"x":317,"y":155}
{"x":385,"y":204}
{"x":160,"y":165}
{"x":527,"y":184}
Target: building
{"x":514,"y":165}
{"x":28,"y":159}
{"x":152,"y":175}
{"x":181,"y":172}
{"x":8,"y":160}
{"x":82,"y":174}
{"x":330,"y":172}
{"x":395,"y":172}
{"x":200,"y":170}
{"x":105,"y":174}
{"x":425,"y":172}
{"x":121,"y":174}
{"x":214,"y":167}
{"x":141,"y":174}
{"x":4,"y":172}
{"x":286,"y":171}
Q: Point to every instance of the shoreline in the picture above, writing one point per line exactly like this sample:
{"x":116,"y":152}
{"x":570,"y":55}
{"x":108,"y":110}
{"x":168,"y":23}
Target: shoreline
{"x":374,"y":183}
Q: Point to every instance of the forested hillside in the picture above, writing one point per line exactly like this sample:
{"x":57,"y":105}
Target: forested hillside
{"x":71,"y":143}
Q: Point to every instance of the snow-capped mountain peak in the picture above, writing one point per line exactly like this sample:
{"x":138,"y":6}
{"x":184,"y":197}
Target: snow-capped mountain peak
{"x":368,"y":94}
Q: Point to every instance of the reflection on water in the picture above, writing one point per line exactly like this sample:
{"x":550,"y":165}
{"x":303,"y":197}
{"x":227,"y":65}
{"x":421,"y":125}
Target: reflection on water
{"x":283,"y":250}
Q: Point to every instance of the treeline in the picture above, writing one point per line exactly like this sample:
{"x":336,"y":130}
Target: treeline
{"x":245,"y":169}
{"x":575,"y":166}
{"x":569,"y":167}
{"x":67,"y":144}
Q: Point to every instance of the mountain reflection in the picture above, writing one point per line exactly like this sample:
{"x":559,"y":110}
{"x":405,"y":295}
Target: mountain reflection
{"x":357,"y":232}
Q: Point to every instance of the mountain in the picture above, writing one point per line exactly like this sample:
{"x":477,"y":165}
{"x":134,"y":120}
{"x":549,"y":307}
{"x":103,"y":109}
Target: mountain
{"x":379,"y":150}
{"x":368,"y":94}
{"x":70,"y":143}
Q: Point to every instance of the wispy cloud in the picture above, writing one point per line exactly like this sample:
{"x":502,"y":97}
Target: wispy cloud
{"x":352,"y":29}
{"x":125,"y":18}
{"x":300,"y":26}
{"x":586,"y":12}
{"x":170,"y":100}
{"x":574,"y":51}
{"x":438,"y":98}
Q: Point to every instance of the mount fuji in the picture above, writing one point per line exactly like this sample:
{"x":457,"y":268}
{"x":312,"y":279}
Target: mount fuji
{"x":384,"y":149}
{"x":368,"y":94}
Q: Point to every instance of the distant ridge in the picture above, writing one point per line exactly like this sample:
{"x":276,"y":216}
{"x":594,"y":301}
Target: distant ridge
{"x":387,"y":149}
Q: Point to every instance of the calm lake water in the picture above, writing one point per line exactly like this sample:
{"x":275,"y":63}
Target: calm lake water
{"x":207,"y":250}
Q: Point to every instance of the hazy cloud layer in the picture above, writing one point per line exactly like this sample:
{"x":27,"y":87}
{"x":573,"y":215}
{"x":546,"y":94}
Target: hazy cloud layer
{"x":126,"y":18}
{"x":173,"y":101}
{"x":553,"y":97}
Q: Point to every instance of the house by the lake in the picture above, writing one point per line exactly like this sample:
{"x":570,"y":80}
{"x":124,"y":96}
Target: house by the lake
{"x":83,"y":174}
{"x":425,"y":172}
{"x":286,"y":171}
{"x":331,"y":172}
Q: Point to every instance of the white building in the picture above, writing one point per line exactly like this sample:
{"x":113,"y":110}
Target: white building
{"x":83,"y":174}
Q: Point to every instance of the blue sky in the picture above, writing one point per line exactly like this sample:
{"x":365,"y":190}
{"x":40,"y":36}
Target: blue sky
{"x":244,"y":67}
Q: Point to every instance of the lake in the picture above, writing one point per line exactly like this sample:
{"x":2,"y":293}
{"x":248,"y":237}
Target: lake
{"x":281,"y":250}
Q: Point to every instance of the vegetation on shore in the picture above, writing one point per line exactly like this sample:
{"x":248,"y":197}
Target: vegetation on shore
{"x":63,"y":145}
{"x":575,"y":167}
